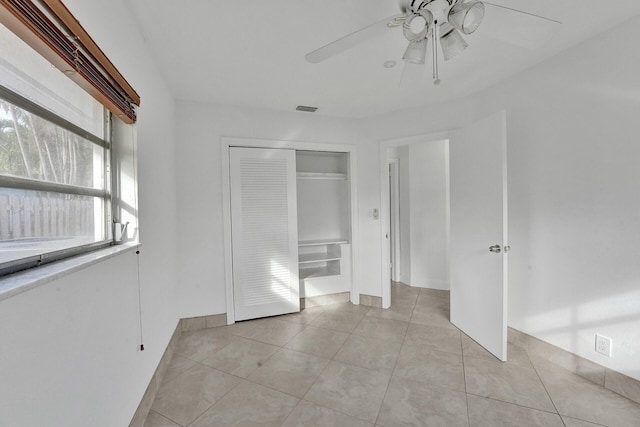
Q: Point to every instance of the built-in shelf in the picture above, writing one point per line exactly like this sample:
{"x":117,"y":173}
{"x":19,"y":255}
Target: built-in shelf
{"x":304,"y":243}
{"x":317,"y":257}
{"x":311,"y":272}
{"x":324,"y":253}
{"x":322,"y":175}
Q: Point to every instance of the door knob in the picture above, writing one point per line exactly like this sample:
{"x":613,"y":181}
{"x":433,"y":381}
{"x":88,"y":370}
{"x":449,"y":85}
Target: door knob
{"x":495,"y":249}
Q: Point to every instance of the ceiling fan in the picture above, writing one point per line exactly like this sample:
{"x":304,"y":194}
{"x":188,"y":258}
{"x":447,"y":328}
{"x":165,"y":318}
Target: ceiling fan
{"x":439,"y":22}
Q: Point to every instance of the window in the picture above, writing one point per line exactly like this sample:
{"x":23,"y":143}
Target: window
{"x":53,"y":189}
{"x":55,"y":152}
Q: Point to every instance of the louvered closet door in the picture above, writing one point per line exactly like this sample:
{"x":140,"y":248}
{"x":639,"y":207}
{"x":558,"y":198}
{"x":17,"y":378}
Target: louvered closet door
{"x":264,"y":232}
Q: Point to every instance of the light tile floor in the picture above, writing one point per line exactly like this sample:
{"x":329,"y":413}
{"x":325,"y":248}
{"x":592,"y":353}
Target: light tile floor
{"x":347,"y":365}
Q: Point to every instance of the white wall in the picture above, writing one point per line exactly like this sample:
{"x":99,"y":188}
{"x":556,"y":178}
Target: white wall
{"x":574,"y":200}
{"x":201,"y":250}
{"x":573,"y":192}
{"x":423,"y":167}
{"x":428,"y":214}
{"x":69,"y":349}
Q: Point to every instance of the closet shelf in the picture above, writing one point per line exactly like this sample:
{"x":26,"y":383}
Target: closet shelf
{"x":322,"y":175}
{"x":307,"y":273}
{"x":316,"y":257}
{"x":323,"y":242}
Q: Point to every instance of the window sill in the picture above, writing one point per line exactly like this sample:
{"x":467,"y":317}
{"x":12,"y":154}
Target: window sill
{"x":27,"y":280}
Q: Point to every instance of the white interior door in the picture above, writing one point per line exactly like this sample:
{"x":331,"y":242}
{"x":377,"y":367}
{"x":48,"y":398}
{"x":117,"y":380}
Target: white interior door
{"x":479,"y":221}
{"x":264,"y":232}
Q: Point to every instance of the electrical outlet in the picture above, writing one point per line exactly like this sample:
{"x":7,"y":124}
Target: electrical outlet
{"x":603,"y":345}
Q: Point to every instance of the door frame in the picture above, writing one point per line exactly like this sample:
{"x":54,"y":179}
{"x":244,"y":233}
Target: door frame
{"x":385,"y":207}
{"x":394,"y":212}
{"x":227,"y":142}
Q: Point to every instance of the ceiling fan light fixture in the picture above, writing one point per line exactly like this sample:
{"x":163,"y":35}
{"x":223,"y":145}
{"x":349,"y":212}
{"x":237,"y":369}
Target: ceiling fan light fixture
{"x":467,"y":17}
{"x":451,"y":42}
{"x":416,"y":52}
{"x":417,"y":25}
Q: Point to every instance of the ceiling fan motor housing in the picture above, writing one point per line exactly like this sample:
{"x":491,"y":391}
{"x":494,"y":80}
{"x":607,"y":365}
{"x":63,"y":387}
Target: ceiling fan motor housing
{"x":413,"y":6}
{"x":439,"y":9}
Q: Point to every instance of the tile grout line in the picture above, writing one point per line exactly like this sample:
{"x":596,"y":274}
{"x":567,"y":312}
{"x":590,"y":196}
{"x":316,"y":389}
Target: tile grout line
{"x":272,"y":389}
{"x":218,"y":400}
{"x":384,"y":396}
{"x":221,"y":397}
{"x":295,"y":351}
{"x":464,"y":375}
{"x":520,"y":405}
{"x":544,"y":386}
{"x":228,"y":373}
{"x":517,"y":367}
{"x":323,"y":371}
{"x":241,"y":379}
{"x":208,"y":407}
{"x":165,"y":417}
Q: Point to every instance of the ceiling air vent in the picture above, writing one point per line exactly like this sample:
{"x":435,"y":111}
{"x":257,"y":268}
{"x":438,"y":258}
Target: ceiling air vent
{"x":307,"y":109}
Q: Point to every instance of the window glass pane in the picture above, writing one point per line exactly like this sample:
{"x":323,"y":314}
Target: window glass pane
{"x":37,"y":222}
{"x":31,"y":147}
{"x":26,"y":72}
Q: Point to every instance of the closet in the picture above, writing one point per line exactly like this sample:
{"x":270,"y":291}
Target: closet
{"x":324,"y":227}
{"x":290,"y":228}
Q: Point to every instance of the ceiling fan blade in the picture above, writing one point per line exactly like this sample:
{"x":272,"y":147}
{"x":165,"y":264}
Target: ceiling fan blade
{"x":522,"y":30}
{"x":353,"y":39}
{"x":523,"y":12}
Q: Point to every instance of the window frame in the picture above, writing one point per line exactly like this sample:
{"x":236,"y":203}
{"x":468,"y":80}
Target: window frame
{"x":15,"y":182}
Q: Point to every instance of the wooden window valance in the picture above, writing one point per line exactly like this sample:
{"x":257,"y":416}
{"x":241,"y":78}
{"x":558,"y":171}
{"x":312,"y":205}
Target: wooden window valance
{"x":50,"y":29}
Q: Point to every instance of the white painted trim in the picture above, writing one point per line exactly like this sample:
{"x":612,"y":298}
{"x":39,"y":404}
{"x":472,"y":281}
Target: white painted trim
{"x":23,"y":281}
{"x":355,"y":226}
{"x":384,"y":202}
{"x":505,"y":233}
{"x":394,"y":210}
{"x":384,"y":224}
{"x":226,"y":220}
{"x":447,"y":184}
{"x":227,"y":142}
{"x":432,"y":284}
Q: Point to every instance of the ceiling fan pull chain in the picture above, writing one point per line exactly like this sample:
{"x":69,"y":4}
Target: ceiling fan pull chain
{"x":434,"y":42}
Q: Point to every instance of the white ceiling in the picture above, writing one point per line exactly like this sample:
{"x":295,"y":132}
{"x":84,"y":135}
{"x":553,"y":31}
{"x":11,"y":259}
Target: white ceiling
{"x":251,"y":52}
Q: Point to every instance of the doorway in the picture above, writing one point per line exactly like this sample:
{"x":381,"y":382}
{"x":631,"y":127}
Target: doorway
{"x":416,"y":212}
{"x":477,"y":232}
